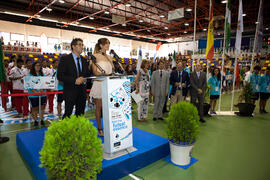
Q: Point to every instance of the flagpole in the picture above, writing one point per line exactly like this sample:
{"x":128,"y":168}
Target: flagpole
{"x":237,"y":46}
{"x":255,"y":40}
{"x":234,"y":78}
{"x":223,"y":57}
{"x":194,"y":34}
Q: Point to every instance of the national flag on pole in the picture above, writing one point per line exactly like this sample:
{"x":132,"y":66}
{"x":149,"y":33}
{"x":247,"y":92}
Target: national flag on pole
{"x":237,"y":75}
{"x":2,"y":69}
{"x":259,"y":31}
{"x":210,"y":35}
{"x":158,"y":46}
{"x":228,"y":25}
{"x":240,"y":28}
{"x":174,"y":59}
{"x":139,"y":60}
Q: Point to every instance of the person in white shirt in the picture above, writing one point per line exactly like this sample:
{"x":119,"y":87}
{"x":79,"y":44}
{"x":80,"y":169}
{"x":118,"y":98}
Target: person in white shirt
{"x":21,"y":102}
{"x":45,"y":69}
{"x":247,"y":74}
{"x":51,"y":73}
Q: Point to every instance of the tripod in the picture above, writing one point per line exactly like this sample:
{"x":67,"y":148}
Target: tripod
{"x":2,"y":139}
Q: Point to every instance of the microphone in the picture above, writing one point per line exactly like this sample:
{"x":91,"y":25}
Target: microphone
{"x":117,"y":58}
{"x":114,"y":55}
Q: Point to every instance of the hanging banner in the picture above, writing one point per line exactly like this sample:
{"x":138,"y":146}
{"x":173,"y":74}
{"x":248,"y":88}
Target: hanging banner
{"x":39,"y":82}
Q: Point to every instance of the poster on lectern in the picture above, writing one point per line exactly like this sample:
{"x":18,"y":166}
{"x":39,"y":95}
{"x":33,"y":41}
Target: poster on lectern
{"x":117,"y":116}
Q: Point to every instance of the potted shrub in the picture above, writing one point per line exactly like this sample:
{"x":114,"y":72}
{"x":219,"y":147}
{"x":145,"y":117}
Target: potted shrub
{"x":206,"y":105}
{"x":71,"y":150}
{"x":247,"y":108}
{"x":182,"y":127}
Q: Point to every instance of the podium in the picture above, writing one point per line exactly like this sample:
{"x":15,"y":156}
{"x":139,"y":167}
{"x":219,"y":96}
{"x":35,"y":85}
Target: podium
{"x":117,"y":116}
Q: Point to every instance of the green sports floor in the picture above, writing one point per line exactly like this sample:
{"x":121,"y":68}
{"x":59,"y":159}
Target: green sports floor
{"x":228,"y":148}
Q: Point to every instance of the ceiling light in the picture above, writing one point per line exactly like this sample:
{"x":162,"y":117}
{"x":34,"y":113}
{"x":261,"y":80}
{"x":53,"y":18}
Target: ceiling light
{"x":188,"y":9}
{"x":162,"y":16}
{"x":123,"y":24}
{"x":49,"y":9}
{"x":107,"y":12}
{"x":257,"y":22}
{"x":223,"y":2}
{"x":169,"y":34}
{"x":186,"y":24}
{"x":185,"y":32}
{"x":107,"y":28}
{"x":61,"y":1}
{"x":165,"y":27}
{"x":266,"y":28}
{"x":16,"y":14}
{"x":204,"y":29}
{"x":244,"y":14}
{"x":128,"y":4}
{"x":140,"y":21}
{"x":148,"y":30}
{"x":91,"y":18}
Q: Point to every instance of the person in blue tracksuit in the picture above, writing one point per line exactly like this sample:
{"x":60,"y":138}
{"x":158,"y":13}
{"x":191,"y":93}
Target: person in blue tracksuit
{"x":255,"y":83}
{"x":214,"y":82}
{"x":264,"y":89}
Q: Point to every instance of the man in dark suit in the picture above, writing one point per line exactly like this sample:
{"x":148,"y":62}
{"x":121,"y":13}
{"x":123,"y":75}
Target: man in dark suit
{"x":197,"y":87}
{"x":179,"y":80}
{"x":71,"y":71}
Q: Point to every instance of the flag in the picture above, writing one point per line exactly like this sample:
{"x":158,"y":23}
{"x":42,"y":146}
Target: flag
{"x":228,"y":25}
{"x":139,"y":60}
{"x":210,"y":36}
{"x":174,"y":59}
{"x":240,"y":28}
{"x":237,"y":75}
{"x":158,"y":46}
{"x":2,"y":69}
{"x":259,"y":29}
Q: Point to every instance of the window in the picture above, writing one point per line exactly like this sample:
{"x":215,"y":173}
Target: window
{"x":124,"y":51}
{"x":33,"y":39}
{"x":53,"y":44}
{"x":17,"y":38}
{"x":6,"y":37}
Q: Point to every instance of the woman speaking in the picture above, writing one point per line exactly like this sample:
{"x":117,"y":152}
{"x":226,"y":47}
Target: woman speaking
{"x":103,"y":62}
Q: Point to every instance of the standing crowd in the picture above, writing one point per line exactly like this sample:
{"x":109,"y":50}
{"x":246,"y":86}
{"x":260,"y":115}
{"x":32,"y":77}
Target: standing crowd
{"x":155,"y":82}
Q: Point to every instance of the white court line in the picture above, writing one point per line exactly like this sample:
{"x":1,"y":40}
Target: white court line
{"x":134,"y":177}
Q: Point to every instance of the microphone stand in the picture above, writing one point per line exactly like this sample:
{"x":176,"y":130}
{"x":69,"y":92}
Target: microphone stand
{"x":93,"y":58}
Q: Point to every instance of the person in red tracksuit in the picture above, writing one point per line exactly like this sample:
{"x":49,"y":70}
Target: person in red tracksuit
{"x":4,"y":87}
{"x":21,"y":102}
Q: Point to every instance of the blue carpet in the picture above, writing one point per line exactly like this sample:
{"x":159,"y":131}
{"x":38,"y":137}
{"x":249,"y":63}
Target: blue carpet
{"x":150,"y":148}
{"x":192,"y":161}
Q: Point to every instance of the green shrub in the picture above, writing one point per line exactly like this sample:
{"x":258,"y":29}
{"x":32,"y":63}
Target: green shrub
{"x":247,"y":92}
{"x":183,"y":123}
{"x":72,"y":150}
{"x":207,"y":93}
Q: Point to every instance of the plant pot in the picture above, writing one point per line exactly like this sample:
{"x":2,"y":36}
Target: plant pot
{"x":246,"y":109}
{"x":180,"y":154}
{"x":206,"y":108}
